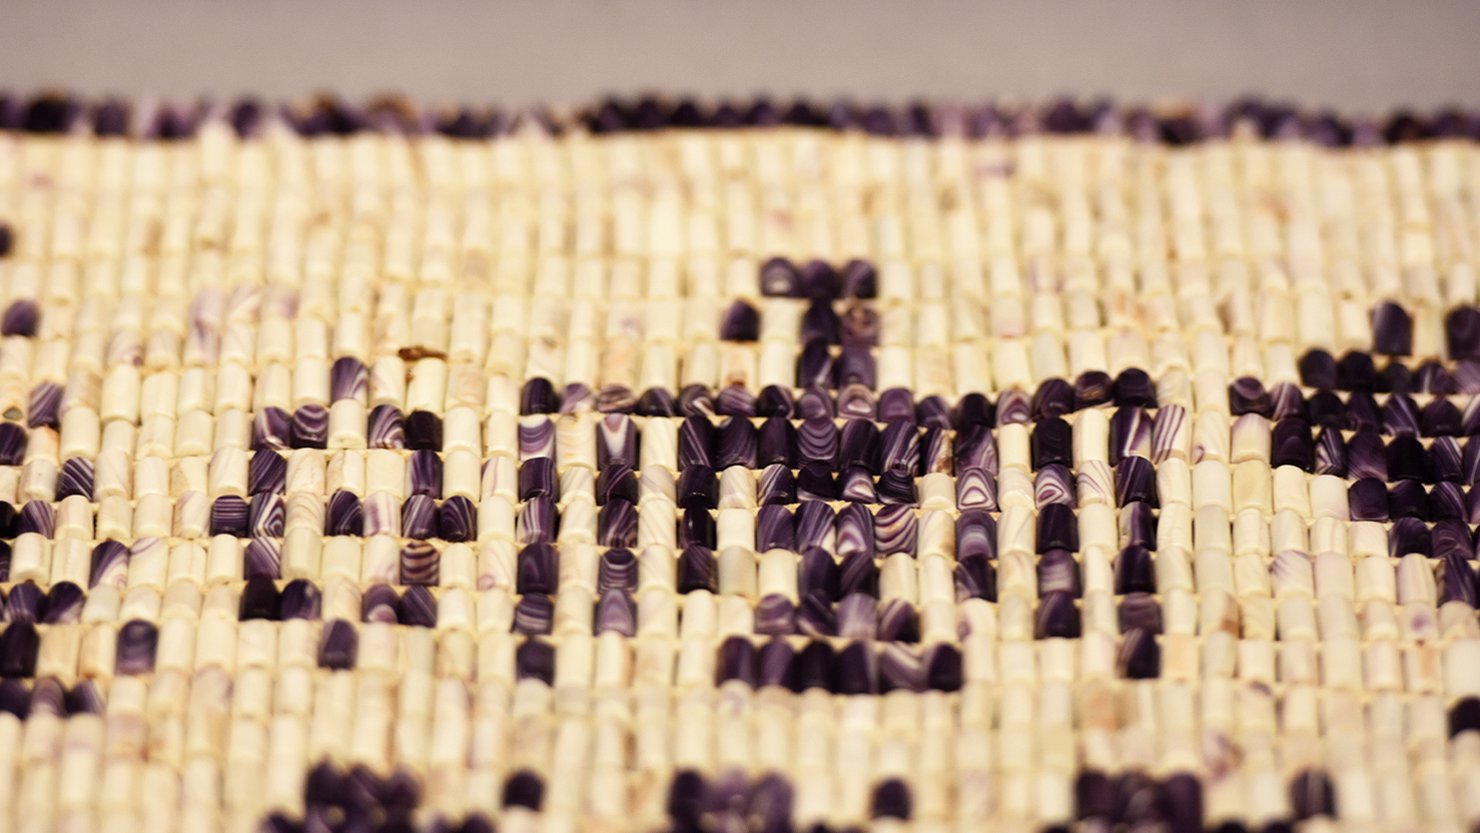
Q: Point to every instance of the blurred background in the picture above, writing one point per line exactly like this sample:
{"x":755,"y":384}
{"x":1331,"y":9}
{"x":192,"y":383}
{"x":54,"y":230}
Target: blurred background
{"x":1357,"y":55}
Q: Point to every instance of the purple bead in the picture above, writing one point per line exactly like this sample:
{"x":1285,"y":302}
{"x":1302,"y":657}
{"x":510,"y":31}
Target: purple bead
{"x":616,"y":524}
{"x":1247,"y":396}
{"x":1140,"y":611}
{"x":1312,"y":795}
{"x":1457,"y":580}
{"x":1440,"y":418}
{"x":418,"y":606}
{"x":856,"y":402}
{"x":897,"y":405}
{"x":424,"y":473}
{"x":229,"y":516}
{"x":776,"y":442}
{"x":817,"y":440}
{"x":858,"y":328}
{"x":696,"y":570}
{"x":538,"y":569}
{"x":774,"y":529}
{"x":1406,"y":459}
{"x":697,"y":526}
{"x":898,"y":622}
{"x":457,"y":519}
{"x":1134,"y":571}
{"x":387,"y":428}
{"x":1400,"y":415}
{"x":63,"y":605}
{"x":1139,"y":657}
{"x":976,"y":534}
{"x":1052,"y":443}
{"x":43,"y":406}
{"x":777,"y":486}
{"x":899,"y":447}
{"x":821,"y":323}
{"x":816,"y":525}
{"x":135,"y":649}
{"x":1366,"y":456}
{"x":775,"y":665}
{"x":1057,"y":617}
{"x":1058,"y":572}
{"x":932,"y":412}
{"x":267,"y":473}
{"x":695,"y":401}
{"x":1407,"y":499}
{"x":1318,"y":370}
{"x":75,"y":478}
{"x":1362,"y":412}
{"x":856,"y":485}
{"x":310,"y":427}
{"x":1091,"y":388}
{"x":815,"y":482}
{"x":617,"y":571}
{"x":19,"y":644}
{"x":1447,"y":502}
{"x":420,"y":563}
{"x":344,"y":515}
{"x":775,"y":615}
{"x":1134,"y":388}
{"x":936,"y":453}
{"x":616,"y":612}
{"x":537,"y":478}
{"x":1054,"y":398}
{"x":380,"y":603}
{"x":1433,"y":377}
{"x":26,"y":603}
{"x":816,"y":667}
{"x":815,"y":403}
{"x":774,"y":401}
{"x":1130,"y":434}
{"x":424,"y":431}
{"x":656,"y":402}
{"x":895,"y":530}
{"x":1326,"y":409}
{"x":261,"y":559}
{"x":857,"y":573}
{"x":817,"y":574}
{"x":618,"y":482}
{"x":1331,"y":453}
{"x":21,"y":318}
{"x":814,"y":365}
{"x":259,"y":600}
{"x":1445,"y":460}
{"x":109,"y":558}
{"x":1135,"y":481}
{"x":538,"y":396}
{"x":696,"y":440}
{"x":534,"y":615}
{"x":735,"y":444}
{"x":300,"y":599}
{"x":737,"y":661}
{"x":1013,"y":407}
{"x":976,"y":488}
{"x":1291,"y":444}
{"x":741,"y":322}
{"x":1355,"y":371}
{"x":1408,"y":536}
{"x":1392,"y":330}
{"x":1138,"y":525}
{"x":1057,"y":528}
{"x":857,"y":670}
{"x":616,"y":441}
{"x":348,"y":379}
{"x":1285,"y":400}
{"x":779,"y":277}
{"x":860,"y":280}
{"x":897,"y":488}
{"x":1451,"y":537}
{"x":1462,"y":333}
{"x":735,"y":401}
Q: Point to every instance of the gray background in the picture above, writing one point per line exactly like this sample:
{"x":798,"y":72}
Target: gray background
{"x":1358,"y":54}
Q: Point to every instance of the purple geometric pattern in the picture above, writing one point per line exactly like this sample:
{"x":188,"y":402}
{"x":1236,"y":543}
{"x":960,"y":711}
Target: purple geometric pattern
{"x":933,"y":468}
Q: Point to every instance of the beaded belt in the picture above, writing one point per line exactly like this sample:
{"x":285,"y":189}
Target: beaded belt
{"x":658,"y":466}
